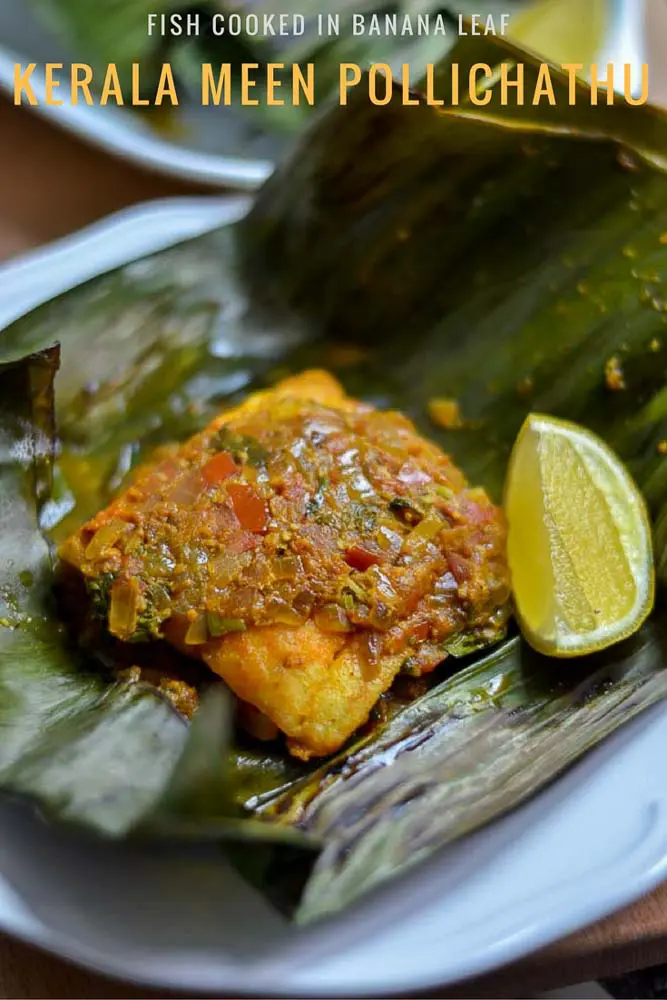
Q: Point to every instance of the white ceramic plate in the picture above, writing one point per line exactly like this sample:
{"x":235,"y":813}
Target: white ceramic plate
{"x":212,"y":134}
{"x":218,"y":147}
{"x":594,"y":841}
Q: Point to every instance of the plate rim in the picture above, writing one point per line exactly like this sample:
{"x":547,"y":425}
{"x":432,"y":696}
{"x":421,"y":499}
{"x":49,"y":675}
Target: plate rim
{"x":138,"y":145}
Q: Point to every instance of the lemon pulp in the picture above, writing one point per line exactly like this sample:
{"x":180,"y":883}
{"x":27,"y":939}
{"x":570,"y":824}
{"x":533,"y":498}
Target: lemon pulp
{"x":579,"y":543}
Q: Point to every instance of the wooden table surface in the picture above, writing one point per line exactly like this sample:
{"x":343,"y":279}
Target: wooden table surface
{"x":50,"y":185}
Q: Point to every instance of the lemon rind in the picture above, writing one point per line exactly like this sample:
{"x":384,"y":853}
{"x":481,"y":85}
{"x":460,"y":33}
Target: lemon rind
{"x":568,"y":645}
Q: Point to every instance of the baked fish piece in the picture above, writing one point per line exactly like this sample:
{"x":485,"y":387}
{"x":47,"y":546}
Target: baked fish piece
{"x":306,"y":547}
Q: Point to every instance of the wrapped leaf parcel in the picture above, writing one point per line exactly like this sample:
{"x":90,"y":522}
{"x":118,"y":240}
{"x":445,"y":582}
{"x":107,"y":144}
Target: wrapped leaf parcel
{"x":485,"y":256}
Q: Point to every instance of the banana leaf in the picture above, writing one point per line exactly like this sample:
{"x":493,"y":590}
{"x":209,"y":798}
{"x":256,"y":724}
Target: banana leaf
{"x":501,"y":257}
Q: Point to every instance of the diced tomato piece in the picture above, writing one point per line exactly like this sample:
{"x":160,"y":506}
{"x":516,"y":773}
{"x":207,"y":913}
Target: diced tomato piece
{"x":360,"y":558}
{"x":241,"y":541}
{"x":248,"y":506}
{"x":459,"y":567}
{"x":477,"y":513}
{"x":420,"y":632}
{"x":218,"y":468}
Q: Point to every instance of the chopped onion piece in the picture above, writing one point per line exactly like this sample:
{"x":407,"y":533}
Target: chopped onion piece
{"x":259,"y":572}
{"x":187,"y":488}
{"x":388,"y":539}
{"x":425,"y":532}
{"x":411,"y":474}
{"x":226,"y":567}
{"x":381,"y":617}
{"x":303,"y":602}
{"x":197,"y":633}
{"x":286,"y":567}
{"x":123,"y":608}
{"x":382,"y":583}
{"x":332,"y":618}
{"x":105,"y":537}
{"x":283,"y":613}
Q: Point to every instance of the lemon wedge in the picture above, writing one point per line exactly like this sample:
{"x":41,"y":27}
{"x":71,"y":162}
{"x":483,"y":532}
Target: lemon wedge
{"x":579,"y":543}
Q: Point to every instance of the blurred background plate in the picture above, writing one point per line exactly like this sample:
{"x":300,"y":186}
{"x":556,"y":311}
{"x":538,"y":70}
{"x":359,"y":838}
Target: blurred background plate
{"x":205,"y":154}
{"x":222,"y":147}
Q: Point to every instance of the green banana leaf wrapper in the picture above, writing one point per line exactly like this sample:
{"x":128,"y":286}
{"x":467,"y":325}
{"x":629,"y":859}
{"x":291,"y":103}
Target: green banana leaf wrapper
{"x":501,"y":256}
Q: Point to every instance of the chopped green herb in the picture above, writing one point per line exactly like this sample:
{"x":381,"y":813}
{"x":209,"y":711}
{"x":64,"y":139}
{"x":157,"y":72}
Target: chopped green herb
{"x":99,"y":592}
{"x":464,"y":643}
{"x":148,"y":621}
{"x":347,"y":600}
{"x":218,"y":626}
{"x":151,"y":618}
{"x":244,"y":450}
{"x":357,"y":590}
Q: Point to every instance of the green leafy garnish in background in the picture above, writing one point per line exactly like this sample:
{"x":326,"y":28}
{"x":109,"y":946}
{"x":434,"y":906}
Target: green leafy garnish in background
{"x":497,"y":256}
